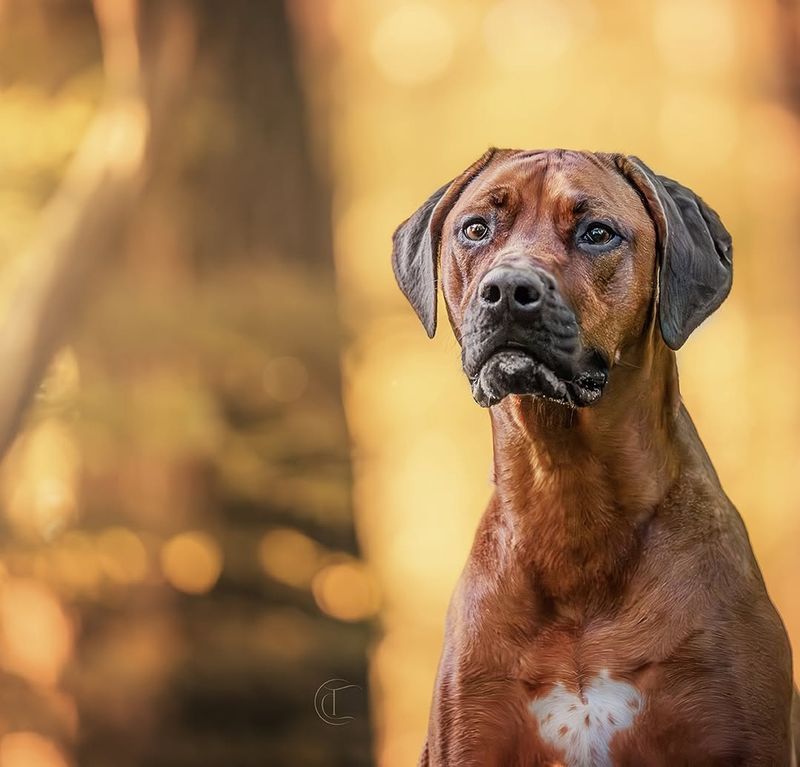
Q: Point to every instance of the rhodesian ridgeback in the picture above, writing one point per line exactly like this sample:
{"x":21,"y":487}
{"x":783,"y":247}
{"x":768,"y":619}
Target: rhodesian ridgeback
{"x":611,"y":611}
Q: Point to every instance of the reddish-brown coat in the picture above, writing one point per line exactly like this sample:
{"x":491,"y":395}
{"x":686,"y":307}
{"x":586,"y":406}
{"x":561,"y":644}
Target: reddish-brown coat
{"x":609,"y":544}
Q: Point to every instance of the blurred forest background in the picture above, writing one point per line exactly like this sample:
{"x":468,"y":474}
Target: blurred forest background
{"x":234,"y":468}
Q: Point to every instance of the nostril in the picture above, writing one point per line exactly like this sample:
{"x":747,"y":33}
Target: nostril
{"x":490,"y":294}
{"x":525,"y":295}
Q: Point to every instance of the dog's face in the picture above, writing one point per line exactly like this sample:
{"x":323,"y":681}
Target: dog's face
{"x":550,"y":265}
{"x":548,"y":269}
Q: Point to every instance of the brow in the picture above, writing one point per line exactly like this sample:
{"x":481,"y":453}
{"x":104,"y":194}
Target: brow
{"x":495,"y":197}
{"x":585,"y":203}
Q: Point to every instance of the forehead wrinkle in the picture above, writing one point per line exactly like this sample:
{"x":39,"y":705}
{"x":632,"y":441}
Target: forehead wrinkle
{"x":534,"y":155}
{"x":519,"y":181}
{"x":492,"y":196}
{"x":558,"y":180}
{"x":613,"y":191}
{"x":577,"y":204}
{"x":584,"y":203}
{"x":535,"y":181}
{"x":592,"y":187}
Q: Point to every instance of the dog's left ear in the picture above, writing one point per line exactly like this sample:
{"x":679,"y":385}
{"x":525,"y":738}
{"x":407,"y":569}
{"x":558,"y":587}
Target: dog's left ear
{"x":696,"y":254}
{"x":415,"y":251}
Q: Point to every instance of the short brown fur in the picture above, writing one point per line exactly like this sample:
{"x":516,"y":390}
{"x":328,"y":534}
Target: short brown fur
{"x":608,"y":542}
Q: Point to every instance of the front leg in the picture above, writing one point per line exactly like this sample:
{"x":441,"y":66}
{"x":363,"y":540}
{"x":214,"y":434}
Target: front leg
{"x":795,"y":727}
{"x":471,"y":726}
{"x":424,"y":759}
{"x":481,"y":722}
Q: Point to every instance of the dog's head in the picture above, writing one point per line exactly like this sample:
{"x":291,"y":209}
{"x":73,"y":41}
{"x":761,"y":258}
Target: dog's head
{"x":554,"y":263}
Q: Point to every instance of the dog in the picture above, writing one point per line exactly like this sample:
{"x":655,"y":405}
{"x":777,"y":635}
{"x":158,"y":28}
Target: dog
{"x":611,"y":611}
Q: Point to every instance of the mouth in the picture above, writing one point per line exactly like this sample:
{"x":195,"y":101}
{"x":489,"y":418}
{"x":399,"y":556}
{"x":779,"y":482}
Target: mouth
{"x":515,"y":369}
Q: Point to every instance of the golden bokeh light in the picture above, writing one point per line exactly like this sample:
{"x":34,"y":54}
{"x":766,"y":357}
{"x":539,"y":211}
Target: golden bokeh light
{"x":366,"y":218}
{"x":526,"y":34}
{"x":771,"y":135}
{"x":289,"y":556}
{"x":696,"y":39}
{"x":74,"y":562}
{"x":192,"y":562}
{"x":29,"y":749}
{"x":54,"y":138}
{"x":118,"y":138}
{"x":707,"y":118}
{"x":37,"y":636}
{"x":346,"y":590}
{"x":122,"y":555}
{"x":39,"y":482}
{"x":63,"y":377}
{"x":413,"y":44}
{"x":403,"y":663}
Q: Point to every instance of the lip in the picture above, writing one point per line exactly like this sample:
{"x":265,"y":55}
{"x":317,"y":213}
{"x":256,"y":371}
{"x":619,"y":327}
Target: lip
{"x":515,"y":368}
{"x":518,"y":347}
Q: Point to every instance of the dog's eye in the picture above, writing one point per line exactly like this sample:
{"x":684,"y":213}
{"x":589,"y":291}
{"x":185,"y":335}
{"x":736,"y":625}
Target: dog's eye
{"x":475,"y":230}
{"x":598,"y":234}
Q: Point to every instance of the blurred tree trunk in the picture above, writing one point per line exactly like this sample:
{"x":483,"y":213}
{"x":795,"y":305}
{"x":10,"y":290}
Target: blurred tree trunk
{"x":210,"y":400}
{"x":81,"y":223}
{"x":225,"y":308}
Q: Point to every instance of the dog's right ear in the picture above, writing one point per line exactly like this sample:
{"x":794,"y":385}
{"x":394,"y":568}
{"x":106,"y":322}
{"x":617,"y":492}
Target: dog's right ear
{"x":415,"y":251}
{"x":696,"y":255}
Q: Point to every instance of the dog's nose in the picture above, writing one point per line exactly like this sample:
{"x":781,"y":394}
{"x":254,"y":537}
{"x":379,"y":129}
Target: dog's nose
{"x":519,"y":291}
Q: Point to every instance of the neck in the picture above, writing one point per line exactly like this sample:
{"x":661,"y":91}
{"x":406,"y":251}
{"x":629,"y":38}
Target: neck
{"x":579,"y":486}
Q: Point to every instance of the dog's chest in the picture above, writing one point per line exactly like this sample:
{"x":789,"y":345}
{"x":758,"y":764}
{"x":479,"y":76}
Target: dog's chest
{"x":581,"y":724}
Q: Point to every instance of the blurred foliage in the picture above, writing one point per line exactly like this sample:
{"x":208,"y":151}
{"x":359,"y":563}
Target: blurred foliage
{"x":180,"y":571}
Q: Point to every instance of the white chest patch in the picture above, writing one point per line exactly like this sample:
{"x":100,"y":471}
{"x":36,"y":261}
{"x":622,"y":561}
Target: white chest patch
{"x":583,"y":726}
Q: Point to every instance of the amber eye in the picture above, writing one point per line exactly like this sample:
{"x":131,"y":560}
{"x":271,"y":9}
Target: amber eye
{"x":475,"y":230}
{"x":598,"y":234}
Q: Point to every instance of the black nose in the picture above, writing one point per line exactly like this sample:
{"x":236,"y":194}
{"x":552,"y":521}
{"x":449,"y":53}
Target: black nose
{"x":516,"y":290}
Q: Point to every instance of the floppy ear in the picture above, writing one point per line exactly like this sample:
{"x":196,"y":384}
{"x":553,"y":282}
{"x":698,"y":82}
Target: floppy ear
{"x":415,"y":251}
{"x":695,"y":249}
